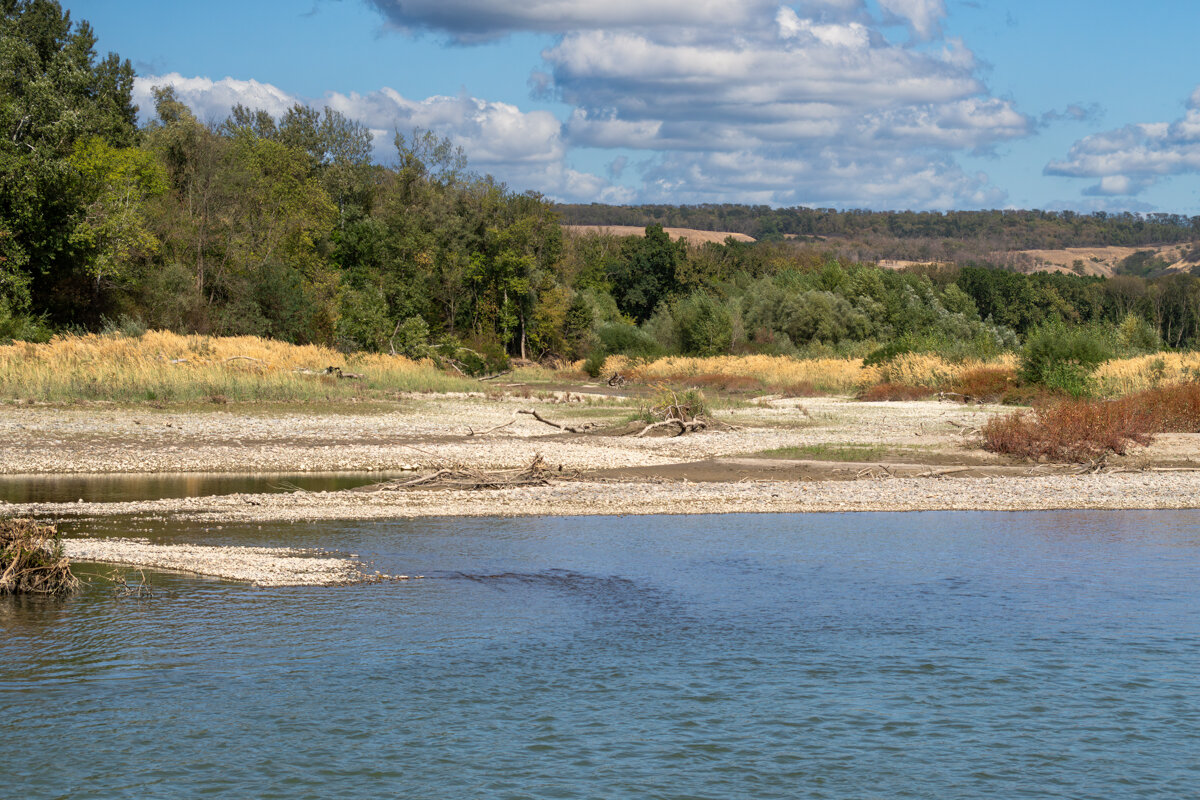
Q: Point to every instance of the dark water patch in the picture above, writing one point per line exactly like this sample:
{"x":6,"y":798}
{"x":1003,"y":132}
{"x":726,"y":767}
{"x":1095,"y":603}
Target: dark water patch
{"x":127,"y":488}
{"x":918,"y":655}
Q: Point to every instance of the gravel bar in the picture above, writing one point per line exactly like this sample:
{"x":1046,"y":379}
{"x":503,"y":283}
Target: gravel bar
{"x":263,"y":566}
{"x":1144,"y":490}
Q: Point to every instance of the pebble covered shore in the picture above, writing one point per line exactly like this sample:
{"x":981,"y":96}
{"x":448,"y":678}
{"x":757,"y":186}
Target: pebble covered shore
{"x":1175,"y":490}
{"x":433,"y":431}
{"x":262,"y":566}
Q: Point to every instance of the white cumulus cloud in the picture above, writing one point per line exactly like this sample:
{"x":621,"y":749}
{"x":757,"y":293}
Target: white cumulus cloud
{"x":1130,"y":159}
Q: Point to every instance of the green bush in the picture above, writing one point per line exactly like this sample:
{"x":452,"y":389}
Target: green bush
{"x":627,"y":339}
{"x":1137,"y":336}
{"x":705,"y":325}
{"x":593,"y":365}
{"x":21,"y":327}
{"x":412,"y":338}
{"x":882,"y":355}
{"x":1063,"y":359}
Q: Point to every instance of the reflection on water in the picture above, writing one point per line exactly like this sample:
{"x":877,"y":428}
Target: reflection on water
{"x":124,"y":488}
{"x":869,"y":655}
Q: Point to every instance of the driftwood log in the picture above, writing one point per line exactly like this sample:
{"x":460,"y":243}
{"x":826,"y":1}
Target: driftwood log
{"x":458,"y":476}
{"x":584,"y":428}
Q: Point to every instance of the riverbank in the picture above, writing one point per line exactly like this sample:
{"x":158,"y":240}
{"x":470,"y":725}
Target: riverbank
{"x":1141,"y":490}
{"x":772,"y":453}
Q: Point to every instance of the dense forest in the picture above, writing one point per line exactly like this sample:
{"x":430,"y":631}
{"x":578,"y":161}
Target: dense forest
{"x":1007,"y":229}
{"x":289,"y":228}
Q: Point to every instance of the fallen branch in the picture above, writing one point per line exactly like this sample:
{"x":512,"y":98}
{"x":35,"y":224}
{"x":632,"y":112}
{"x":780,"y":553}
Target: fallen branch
{"x":493,"y":377}
{"x":568,"y":428}
{"x":471,"y":432}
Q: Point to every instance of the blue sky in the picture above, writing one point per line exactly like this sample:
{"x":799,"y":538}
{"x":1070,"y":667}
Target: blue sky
{"x":846,"y":103}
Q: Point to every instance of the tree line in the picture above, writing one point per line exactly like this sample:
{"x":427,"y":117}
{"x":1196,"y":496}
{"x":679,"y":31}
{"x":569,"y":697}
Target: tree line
{"x":1006,"y":229}
{"x":286,"y":227}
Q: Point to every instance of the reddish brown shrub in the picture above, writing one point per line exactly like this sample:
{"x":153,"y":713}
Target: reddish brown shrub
{"x":799,"y":389}
{"x":986,"y":384}
{"x":894,"y":391}
{"x":1082,"y":430}
{"x":1173,"y":409}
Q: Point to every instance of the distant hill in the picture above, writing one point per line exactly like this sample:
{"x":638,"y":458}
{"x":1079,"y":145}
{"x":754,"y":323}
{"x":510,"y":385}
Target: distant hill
{"x":691,"y":234}
{"x":979,"y":232}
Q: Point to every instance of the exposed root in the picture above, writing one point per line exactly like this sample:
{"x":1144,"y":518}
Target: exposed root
{"x":32,"y":560}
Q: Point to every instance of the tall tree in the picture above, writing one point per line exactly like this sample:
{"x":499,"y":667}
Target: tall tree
{"x":53,"y":94}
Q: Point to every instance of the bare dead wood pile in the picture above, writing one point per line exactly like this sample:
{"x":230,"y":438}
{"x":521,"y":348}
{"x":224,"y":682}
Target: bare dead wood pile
{"x":617,"y":379}
{"x":459,"y":476}
{"x":32,"y":560}
{"x":680,"y":416}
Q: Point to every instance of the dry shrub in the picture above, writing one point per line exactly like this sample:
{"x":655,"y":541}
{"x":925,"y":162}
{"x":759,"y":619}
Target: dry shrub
{"x":988,"y":384}
{"x":1171,"y":409}
{"x":800,"y":389}
{"x":725,"y":383}
{"x":1083,"y":430}
{"x":32,"y":560}
{"x":894,"y":391}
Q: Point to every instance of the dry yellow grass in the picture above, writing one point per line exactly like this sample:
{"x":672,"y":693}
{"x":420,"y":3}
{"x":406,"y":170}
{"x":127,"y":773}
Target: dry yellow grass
{"x":1127,"y":375}
{"x":834,"y":375}
{"x":172,"y":368}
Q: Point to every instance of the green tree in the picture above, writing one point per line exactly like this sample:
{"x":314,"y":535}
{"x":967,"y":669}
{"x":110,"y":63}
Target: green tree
{"x":114,"y":232}
{"x":54,"y":93}
{"x":647,"y":272}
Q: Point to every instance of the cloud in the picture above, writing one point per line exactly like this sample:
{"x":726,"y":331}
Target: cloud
{"x":815,"y":103}
{"x":481,"y":20}
{"x":1130,"y":159}
{"x":809,"y":97}
{"x":923,"y":17}
{"x":1075,"y":112}
{"x":211,"y":100}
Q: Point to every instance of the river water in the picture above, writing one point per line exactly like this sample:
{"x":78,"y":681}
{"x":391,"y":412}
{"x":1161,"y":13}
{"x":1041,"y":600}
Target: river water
{"x":965,"y":655}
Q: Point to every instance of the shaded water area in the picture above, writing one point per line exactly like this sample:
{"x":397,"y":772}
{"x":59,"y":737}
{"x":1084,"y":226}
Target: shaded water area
{"x":118,"y":488}
{"x":828,"y":656}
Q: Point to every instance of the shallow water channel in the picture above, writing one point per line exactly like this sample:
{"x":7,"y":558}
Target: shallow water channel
{"x":856,"y":655}
{"x":118,"y":488}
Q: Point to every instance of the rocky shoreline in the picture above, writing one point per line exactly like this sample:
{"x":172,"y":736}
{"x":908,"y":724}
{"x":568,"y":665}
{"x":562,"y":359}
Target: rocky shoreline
{"x":879,"y":457}
{"x":1115,"y":491}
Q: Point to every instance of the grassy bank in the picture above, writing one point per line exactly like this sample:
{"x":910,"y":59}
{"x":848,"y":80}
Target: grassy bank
{"x":166,"y":367}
